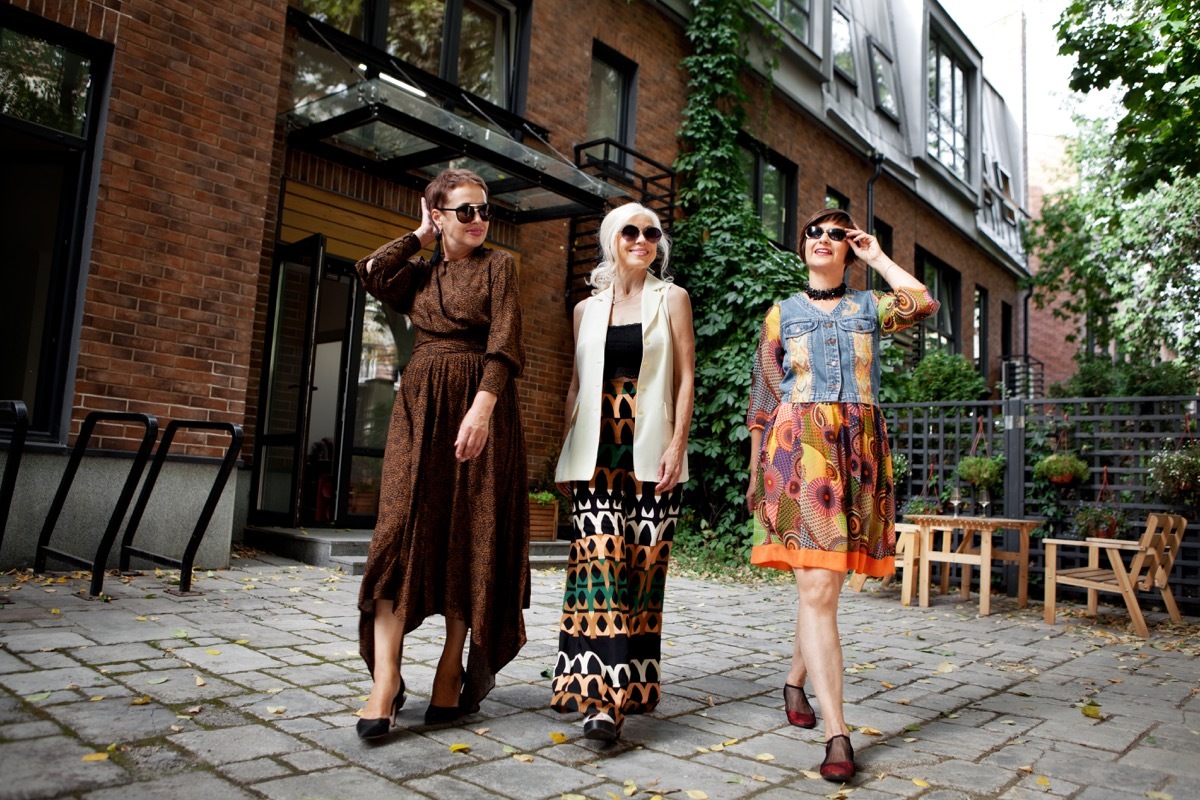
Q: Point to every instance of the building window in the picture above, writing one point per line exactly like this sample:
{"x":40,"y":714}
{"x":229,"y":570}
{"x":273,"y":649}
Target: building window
{"x":883,"y":234}
{"x":835,"y":199}
{"x":843,"y":46}
{"x":795,"y":15}
{"x":1006,"y":330}
{"x":883,"y":71}
{"x":771,"y":187}
{"x":947,"y":112}
{"x":938,"y":331}
{"x":611,"y":101}
{"x":469,"y":43}
{"x":49,"y":106}
{"x":980,"y":335}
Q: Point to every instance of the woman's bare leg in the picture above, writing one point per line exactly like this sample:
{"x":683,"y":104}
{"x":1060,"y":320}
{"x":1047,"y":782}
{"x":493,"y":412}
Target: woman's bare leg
{"x":818,"y":644}
{"x":447,"y":680}
{"x":389,"y":641}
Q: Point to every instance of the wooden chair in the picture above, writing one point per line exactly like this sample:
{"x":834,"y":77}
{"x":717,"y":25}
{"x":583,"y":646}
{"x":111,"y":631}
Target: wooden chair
{"x":1154,"y":555}
{"x":906,"y":557}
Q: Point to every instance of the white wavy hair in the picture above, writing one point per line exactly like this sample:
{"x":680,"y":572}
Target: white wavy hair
{"x":601,"y":276}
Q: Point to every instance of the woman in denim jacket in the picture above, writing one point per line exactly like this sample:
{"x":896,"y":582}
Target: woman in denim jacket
{"x":820,"y":469}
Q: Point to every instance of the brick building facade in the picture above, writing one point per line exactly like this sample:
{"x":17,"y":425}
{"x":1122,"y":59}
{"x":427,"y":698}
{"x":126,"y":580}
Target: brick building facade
{"x":215,"y":141}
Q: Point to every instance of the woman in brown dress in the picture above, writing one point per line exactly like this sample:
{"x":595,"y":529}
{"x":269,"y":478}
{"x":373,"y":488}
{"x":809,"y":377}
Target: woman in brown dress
{"x":453,"y":531}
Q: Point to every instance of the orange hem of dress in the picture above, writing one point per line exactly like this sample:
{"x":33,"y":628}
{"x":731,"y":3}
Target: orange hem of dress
{"x":778,"y":556}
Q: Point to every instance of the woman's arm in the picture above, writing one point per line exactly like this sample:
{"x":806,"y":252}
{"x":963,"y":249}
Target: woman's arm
{"x":683,"y":343}
{"x":388,"y":274}
{"x":755,"y":447}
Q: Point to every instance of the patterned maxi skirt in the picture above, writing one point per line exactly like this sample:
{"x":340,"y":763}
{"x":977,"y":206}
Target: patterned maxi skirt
{"x":825,"y":496}
{"x":610,"y":635}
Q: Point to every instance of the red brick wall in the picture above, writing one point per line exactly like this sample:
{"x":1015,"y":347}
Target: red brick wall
{"x":1048,"y":334}
{"x":169,"y":307}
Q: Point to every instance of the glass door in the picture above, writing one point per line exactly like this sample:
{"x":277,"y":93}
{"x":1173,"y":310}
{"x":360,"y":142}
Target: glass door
{"x":281,"y":439}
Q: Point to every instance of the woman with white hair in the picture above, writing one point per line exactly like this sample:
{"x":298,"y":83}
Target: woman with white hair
{"x":623,"y":464}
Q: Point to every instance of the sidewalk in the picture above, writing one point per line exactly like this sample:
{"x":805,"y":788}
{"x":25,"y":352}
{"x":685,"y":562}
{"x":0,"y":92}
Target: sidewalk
{"x":250,"y":691}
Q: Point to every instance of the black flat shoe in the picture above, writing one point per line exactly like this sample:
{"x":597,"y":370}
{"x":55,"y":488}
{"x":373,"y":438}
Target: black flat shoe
{"x":600,"y":729}
{"x":376,"y":728}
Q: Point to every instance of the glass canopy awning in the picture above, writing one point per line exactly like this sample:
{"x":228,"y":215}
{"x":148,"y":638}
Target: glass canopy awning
{"x":389,"y":131}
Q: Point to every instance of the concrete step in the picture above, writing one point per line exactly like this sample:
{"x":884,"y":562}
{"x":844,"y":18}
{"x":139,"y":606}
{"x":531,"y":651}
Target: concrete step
{"x":347,"y":549}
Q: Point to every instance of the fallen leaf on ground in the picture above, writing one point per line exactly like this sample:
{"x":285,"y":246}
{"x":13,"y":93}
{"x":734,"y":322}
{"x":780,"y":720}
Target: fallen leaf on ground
{"x":870,"y":731}
{"x":200,"y":681}
{"x":524,"y":758}
{"x":508,"y":748}
{"x":558,"y":738}
{"x":478,"y":731}
{"x":810,"y":774}
{"x":1043,"y":781}
{"x":156,"y":681}
{"x":887,"y":685}
{"x":212,"y":651}
{"x":910,"y":739}
{"x":96,"y":757}
{"x":140,"y":701}
{"x":760,"y":777}
{"x":919,"y":782}
{"x":1026,"y":768}
{"x":904,"y":702}
{"x":630,"y":788}
{"x":945,"y":667}
{"x":716,"y":748}
{"x":177,"y":728}
{"x":195,"y":710}
{"x":764,"y":757}
{"x":1091,"y":711}
{"x":459,"y":747}
{"x":696,"y":794}
{"x":572,"y":797}
{"x":33,"y":698}
{"x":275,"y":690}
{"x":729,"y":742}
{"x":96,"y":698}
{"x":276,"y":709}
{"x":1159,"y":796}
{"x":242,"y":641}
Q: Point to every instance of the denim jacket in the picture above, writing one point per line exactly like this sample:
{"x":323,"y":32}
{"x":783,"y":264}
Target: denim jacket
{"x":807,"y":355}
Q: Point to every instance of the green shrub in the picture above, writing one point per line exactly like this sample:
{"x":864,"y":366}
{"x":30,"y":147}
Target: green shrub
{"x":983,"y":472}
{"x":1061,"y":468}
{"x":943,"y":377}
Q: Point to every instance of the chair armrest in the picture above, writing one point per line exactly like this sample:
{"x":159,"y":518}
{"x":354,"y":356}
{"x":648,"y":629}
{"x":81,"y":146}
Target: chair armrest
{"x":1111,"y":544}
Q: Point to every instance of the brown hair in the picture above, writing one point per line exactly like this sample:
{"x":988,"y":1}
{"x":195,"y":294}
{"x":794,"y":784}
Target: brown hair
{"x":837,"y":215}
{"x":447,"y":181}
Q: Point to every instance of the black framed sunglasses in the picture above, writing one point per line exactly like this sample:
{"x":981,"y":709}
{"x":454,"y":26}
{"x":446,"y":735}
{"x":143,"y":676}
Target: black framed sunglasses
{"x":466,"y":212}
{"x":816,"y":231}
{"x":630,"y":233}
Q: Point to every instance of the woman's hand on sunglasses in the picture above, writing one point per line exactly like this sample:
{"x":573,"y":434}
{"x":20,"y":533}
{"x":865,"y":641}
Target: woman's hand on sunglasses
{"x":865,"y":245}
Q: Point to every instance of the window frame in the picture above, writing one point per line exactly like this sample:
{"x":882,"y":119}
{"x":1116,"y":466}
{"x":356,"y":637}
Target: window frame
{"x":980,"y":330}
{"x":877,"y":51}
{"x":839,"y":200}
{"x":885,"y":235}
{"x":837,"y":10}
{"x":375,"y":36}
{"x":950,"y":298}
{"x":50,"y":414}
{"x":939,"y":27}
{"x":627,"y":113}
{"x":763,"y":156}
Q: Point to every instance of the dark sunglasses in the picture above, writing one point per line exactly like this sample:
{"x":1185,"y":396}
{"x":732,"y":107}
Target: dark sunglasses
{"x":631,"y":233}
{"x":816,"y":231}
{"x":466,"y":212}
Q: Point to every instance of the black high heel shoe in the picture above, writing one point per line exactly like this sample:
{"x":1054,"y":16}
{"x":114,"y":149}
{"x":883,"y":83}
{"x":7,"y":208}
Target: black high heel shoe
{"x":375,"y":728}
{"x":600,"y":727}
{"x":440,"y":715}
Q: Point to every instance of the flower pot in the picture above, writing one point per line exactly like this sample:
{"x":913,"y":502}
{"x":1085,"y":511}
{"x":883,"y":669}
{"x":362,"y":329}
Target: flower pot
{"x":543,"y":521}
{"x":1062,"y":480}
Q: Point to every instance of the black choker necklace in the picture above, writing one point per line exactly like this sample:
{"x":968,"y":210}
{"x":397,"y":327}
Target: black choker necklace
{"x":825,"y":294}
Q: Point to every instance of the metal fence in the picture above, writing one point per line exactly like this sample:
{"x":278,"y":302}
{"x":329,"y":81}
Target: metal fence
{"x":1116,"y":436}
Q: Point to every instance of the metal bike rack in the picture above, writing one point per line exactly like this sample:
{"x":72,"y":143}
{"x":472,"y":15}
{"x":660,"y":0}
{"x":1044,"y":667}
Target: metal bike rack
{"x":210,"y":504}
{"x":64,"y":487}
{"x":15,"y":416}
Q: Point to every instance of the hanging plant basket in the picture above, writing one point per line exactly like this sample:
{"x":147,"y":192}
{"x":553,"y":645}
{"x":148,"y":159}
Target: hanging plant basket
{"x":1062,"y":469}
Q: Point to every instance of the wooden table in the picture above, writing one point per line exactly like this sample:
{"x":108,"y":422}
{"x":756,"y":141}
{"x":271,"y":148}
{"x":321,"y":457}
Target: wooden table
{"x":965,"y":554}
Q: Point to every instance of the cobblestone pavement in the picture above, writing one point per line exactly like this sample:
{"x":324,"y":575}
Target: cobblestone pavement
{"x":250,"y":691}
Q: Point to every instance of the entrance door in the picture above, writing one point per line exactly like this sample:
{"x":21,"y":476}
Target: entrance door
{"x":333,"y":361}
{"x":280,"y":443}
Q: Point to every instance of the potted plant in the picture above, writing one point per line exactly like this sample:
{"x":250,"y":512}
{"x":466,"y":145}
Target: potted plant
{"x":1061,"y":468}
{"x":1102,"y":520}
{"x":543,"y":515}
{"x":920,"y":505}
{"x":1175,"y":475}
{"x":982,"y":472}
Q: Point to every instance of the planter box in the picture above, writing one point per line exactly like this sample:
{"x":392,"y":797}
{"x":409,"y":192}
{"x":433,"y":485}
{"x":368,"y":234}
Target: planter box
{"x":543,"y":521}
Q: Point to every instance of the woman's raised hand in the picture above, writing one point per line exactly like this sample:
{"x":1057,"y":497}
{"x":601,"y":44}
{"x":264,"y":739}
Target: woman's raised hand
{"x":427,"y":231}
{"x":865,"y":245}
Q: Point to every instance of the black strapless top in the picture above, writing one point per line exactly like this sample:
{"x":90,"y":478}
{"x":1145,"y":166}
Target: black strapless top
{"x":623,"y":351}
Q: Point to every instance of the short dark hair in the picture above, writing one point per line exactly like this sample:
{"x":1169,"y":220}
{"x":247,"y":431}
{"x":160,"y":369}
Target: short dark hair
{"x":837,"y":215}
{"x":447,"y":181}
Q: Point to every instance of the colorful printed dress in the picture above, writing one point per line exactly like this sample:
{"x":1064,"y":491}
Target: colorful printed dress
{"x":824,"y":494}
{"x":610,"y":635}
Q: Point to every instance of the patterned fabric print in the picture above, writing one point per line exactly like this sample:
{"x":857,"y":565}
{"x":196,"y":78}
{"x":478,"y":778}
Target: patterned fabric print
{"x":610,"y":634}
{"x":823,"y":500}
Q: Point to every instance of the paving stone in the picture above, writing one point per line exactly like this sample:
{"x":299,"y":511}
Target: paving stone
{"x":229,"y":745}
{"x":443,"y":787}
{"x":294,"y":702}
{"x":344,"y":782}
{"x":27,"y":778}
{"x":29,"y":730}
{"x":10,"y":663}
{"x":49,"y":680}
{"x":255,"y":770}
{"x":113,"y":719}
{"x":14,"y":711}
{"x":110,"y":654}
{"x":312,"y":760}
{"x":229,"y":659}
{"x":173,"y":787}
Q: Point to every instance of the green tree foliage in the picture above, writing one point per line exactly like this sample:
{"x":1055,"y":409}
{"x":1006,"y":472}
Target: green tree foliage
{"x":1151,"y":50}
{"x":1128,"y":267}
{"x":733,"y":271}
